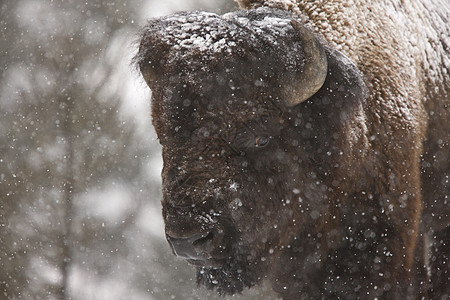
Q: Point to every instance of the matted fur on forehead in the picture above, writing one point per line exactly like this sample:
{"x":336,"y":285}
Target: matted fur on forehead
{"x":187,"y":46}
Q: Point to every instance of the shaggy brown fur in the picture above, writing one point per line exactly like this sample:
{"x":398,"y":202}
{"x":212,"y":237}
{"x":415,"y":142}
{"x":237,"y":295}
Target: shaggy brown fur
{"x":345,"y":195}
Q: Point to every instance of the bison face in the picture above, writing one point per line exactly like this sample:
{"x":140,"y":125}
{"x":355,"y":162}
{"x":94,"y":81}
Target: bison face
{"x":230,"y":181}
{"x":244,"y":153}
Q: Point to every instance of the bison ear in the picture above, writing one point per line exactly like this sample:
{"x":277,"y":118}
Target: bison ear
{"x":152,"y":55}
{"x":344,"y":80}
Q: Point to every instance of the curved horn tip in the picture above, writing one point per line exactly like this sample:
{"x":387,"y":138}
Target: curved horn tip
{"x":313,"y":74}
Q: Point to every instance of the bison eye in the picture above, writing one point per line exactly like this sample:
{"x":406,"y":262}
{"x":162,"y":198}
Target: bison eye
{"x":261,"y":141}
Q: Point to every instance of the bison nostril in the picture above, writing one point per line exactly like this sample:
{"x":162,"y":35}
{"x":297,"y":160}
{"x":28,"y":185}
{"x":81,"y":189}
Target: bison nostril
{"x":186,"y":247}
{"x":204,"y":242}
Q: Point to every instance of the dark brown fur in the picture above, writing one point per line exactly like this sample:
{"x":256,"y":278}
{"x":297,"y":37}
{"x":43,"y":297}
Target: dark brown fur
{"x":332,"y":206}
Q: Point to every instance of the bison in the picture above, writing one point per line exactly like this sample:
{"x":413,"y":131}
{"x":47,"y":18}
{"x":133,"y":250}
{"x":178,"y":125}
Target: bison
{"x":306,"y":143}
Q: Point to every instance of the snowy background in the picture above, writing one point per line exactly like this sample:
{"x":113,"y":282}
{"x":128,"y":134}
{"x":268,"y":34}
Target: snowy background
{"x":80,"y":216}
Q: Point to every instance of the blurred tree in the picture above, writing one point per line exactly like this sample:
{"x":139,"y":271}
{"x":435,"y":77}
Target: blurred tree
{"x":61,"y":135}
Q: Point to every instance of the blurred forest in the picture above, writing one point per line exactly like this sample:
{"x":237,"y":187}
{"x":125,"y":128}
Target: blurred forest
{"x":80,"y":216}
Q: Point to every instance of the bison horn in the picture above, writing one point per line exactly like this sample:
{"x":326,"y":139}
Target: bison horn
{"x":310,"y":79}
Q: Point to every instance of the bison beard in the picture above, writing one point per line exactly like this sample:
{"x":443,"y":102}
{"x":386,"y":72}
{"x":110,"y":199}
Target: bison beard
{"x":286,"y":160}
{"x":235,"y":274}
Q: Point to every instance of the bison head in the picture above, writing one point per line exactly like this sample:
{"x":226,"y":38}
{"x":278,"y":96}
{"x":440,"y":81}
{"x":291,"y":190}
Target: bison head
{"x":249,"y":108}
